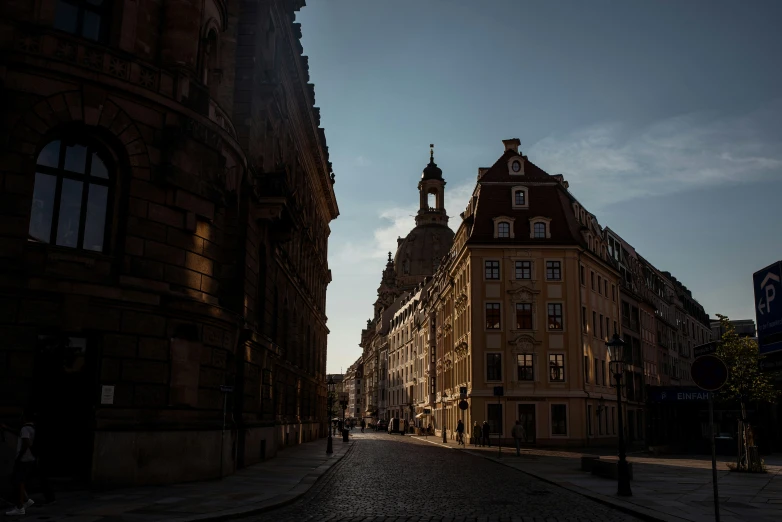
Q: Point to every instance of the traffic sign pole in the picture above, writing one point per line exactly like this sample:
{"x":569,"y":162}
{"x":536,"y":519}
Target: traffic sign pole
{"x":714,"y":460}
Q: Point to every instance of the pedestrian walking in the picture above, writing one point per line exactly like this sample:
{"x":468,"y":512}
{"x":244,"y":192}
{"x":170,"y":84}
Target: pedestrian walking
{"x":24,"y":465}
{"x":476,"y":433}
{"x":363,"y":425}
{"x":518,"y":435}
{"x":460,"y":432}
{"x":485,"y":432}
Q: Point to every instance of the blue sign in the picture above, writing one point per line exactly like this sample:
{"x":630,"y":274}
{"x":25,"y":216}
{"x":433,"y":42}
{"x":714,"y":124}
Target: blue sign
{"x":768,"y":307}
{"x":677,"y":394}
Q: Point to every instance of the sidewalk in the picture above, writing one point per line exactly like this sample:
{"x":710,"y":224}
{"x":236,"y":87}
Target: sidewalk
{"x":673,"y":488}
{"x":260,"y":487}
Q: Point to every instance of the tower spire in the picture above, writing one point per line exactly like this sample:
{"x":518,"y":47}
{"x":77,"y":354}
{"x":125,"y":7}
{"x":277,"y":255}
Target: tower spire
{"x":431,"y":153}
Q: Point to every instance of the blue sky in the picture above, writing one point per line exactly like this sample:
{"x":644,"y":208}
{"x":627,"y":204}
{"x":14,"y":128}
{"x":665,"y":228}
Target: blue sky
{"x":665,"y":118}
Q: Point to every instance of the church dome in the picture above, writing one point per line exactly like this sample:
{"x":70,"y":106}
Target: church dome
{"x":432,"y":171}
{"x":418,"y":255}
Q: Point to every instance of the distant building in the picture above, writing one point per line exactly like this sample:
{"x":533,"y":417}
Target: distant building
{"x":744,"y":327}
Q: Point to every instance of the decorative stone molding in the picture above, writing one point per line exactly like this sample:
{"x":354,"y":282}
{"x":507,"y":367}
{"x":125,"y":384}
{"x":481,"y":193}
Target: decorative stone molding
{"x":524,"y":343}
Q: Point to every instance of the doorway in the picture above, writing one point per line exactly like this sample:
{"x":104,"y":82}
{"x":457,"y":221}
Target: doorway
{"x":63,"y":398}
{"x":527,"y":418}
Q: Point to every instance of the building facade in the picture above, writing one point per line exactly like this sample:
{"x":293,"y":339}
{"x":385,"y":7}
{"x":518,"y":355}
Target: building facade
{"x":516,"y":317}
{"x":158,"y":264}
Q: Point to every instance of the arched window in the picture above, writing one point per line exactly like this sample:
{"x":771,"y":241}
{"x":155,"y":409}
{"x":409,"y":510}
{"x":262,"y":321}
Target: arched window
{"x":72,"y":195}
{"x":519,"y":198}
{"x":210,"y":63}
{"x":540,"y":230}
{"x":503,"y":229}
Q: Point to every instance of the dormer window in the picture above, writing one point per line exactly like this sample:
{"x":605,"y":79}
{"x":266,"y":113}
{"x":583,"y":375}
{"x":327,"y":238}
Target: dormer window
{"x":516,"y":166}
{"x":503,"y":227}
{"x":520,"y":197}
{"x":540,"y":228}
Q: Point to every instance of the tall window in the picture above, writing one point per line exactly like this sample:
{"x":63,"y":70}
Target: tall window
{"x":87,"y":18}
{"x":525,"y":367}
{"x":555,"y":316}
{"x":539,"y":230}
{"x":523,"y":269}
{"x":559,"y":419}
{"x":493,"y":367}
{"x":494,"y":414}
{"x":589,"y":419}
{"x":72,"y":195}
{"x":599,"y":284}
{"x":503,"y":229}
{"x":492,"y":269}
{"x":594,"y":324}
{"x":586,"y":368}
{"x":493,"y":316}
{"x":519,"y":198}
{"x":602,"y":332}
{"x":523,"y":316}
{"x":556,"y":364}
{"x":584,"y":324}
{"x":581,"y":274}
{"x":597,"y":368}
{"x":553,"y":270}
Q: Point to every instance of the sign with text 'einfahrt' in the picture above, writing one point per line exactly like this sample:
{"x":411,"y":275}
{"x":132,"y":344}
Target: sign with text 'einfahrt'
{"x":768,"y":307}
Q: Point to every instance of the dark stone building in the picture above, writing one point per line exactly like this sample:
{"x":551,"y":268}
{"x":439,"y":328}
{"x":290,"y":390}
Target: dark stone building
{"x":165,"y":200}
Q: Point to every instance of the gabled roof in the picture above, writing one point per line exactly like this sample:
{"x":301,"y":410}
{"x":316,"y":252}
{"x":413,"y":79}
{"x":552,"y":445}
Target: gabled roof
{"x":546,"y":197}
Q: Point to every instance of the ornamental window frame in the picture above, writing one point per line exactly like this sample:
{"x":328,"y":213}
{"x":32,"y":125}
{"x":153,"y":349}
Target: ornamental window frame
{"x":538,"y":220}
{"x":499,"y":220}
{"x":525,"y":191}
{"x":520,"y":159}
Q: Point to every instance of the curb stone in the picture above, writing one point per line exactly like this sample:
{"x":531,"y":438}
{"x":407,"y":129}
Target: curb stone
{"x":631,"y":509}
{"x":305,"y":485}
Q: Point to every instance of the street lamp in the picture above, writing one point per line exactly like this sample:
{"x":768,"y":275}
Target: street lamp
{"x":616,"y":349}
{"x":331,"y":385}
{"x":343,"y":401}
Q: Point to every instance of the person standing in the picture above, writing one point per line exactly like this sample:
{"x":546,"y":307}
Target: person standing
{"x":363,"y":425}
{"x":476,"y":434}
{"x":518,"y":436}
{"x":24,"y":465}
{"x":460,"y":432}
{"x":485,"y":432}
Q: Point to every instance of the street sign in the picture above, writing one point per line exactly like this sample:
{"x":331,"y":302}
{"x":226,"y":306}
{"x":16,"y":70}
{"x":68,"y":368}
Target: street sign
{"x":677,"y":394}
{"x":709,"y":372}
{"x":705,"y":349}
{"x":768,"y":307}
{"x":427,"y":411}
{"x":226,"y":389}
{"x":498,"y":391}
{"x":463,"y":405}
{"x":463,"y":392}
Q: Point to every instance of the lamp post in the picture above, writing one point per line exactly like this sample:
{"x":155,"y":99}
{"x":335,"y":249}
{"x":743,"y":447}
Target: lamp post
{"x":616,"y":348}
{"x":444,"y":396}
{"x":343,"y":401}
{"x":331,"y":385}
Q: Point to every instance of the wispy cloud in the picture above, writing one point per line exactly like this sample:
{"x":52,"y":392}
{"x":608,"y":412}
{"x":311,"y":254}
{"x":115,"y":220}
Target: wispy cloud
{"x":361,"y":161}
{"x":610,"y":162}
{"x":396,"y":222}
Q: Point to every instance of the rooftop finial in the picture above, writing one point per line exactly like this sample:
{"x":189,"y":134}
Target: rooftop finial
{"x":389,"y":257}
{"x":431,"y":153}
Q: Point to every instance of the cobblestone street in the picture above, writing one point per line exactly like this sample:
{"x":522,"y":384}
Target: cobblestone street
{"x":389,"y":477}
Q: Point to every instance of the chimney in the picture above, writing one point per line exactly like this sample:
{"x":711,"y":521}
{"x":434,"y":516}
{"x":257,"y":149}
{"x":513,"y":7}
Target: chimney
{"x":512,"y":144}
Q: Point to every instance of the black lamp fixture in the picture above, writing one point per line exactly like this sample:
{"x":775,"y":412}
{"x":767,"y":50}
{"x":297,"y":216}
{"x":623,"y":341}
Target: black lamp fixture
{"x":331,"y":385}
{"x":616,"y":350}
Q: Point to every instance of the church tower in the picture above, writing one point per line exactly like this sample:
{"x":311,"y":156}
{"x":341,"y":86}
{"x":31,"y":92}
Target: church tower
{"x":431,"y":190}
{"x":419,"y":254}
